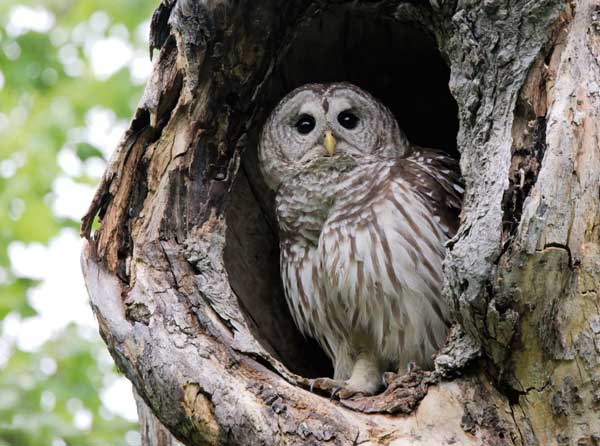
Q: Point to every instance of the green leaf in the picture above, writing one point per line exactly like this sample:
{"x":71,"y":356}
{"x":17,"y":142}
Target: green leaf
{"x":43,"y":108}
{"x":86,"y":151}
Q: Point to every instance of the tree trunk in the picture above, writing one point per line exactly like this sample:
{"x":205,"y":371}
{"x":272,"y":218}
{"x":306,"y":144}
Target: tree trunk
{"x":183,"y":269}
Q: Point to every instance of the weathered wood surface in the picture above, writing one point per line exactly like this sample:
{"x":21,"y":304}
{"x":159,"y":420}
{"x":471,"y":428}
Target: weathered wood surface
{"x":523,"y":272}
{"x":152,"y":431}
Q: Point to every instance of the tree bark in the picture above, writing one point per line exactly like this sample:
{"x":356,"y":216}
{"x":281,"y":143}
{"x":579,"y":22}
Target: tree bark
{"x":182,"y":270}
{"x":152,"y":431}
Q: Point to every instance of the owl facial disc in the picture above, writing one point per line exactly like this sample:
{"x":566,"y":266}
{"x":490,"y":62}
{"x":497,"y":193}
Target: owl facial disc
{"x":331,"y":122}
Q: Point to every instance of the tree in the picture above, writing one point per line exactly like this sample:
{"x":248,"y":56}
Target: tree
{"x":182,"y":271}
{"x":55,"y":386}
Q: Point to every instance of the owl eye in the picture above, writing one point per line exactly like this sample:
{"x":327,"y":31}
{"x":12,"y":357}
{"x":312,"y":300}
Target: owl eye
{"x":348,"y":120}
{"x":305,"y":124}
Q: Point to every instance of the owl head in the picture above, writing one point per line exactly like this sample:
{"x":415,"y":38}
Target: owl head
{"x":327,"y":123}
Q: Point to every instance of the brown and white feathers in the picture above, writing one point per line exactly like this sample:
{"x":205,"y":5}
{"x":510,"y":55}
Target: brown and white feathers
{"x":363,"y":217}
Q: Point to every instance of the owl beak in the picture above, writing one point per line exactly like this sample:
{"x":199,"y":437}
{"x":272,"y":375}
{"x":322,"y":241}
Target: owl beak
{"x":329,"y":142}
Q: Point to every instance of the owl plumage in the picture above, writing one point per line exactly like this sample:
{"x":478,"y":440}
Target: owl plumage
{"x":363,"y":217}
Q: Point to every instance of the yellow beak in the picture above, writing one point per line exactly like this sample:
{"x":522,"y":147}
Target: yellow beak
{"x":329,"y":142}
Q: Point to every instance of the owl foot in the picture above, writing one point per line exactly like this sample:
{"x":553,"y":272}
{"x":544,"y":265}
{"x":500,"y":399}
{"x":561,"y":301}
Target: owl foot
{"x":389,"y":377}
{"x":402,"y":395}
{"x":327,"y":385}
{"x":336,"y":388}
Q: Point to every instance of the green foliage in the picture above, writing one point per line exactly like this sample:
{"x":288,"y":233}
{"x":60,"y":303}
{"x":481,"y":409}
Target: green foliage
{"x":51,"y":389}
{"x":12,"y":297}
{"x":47,"y":87}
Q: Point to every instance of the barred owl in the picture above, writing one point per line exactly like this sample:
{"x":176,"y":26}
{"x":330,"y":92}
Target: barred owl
{"x":363,"y":217}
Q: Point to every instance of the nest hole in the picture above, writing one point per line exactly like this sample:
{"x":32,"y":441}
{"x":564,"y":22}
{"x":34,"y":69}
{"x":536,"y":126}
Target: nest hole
{"x":399,"y":63}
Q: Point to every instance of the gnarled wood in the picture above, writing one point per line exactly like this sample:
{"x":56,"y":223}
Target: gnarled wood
{"x":182,"y":272}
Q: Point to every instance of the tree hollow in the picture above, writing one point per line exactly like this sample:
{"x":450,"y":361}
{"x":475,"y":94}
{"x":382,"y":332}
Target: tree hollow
{"x":396,"y":61}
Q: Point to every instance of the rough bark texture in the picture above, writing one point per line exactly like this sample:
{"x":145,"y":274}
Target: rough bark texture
{"x":152,"y":431}
{"x":182,"y":272}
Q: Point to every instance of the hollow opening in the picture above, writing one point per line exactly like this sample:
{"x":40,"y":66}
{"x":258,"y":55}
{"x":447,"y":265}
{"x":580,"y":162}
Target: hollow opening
{"x":398,"y":62}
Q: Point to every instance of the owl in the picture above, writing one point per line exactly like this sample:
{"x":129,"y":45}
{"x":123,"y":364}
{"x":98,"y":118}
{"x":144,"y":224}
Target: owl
{"x":363,"y":217}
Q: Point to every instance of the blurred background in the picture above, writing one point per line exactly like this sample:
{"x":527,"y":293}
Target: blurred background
{"x":71,"y":74}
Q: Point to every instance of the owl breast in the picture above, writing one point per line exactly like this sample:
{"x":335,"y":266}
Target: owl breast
{"x":361,"y":262}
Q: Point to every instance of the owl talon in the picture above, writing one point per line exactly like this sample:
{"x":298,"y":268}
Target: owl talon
{"x":325,"y":384}
{"x":388,"y":377}
{"x":346,"y":392}
{"x":337,"y":389}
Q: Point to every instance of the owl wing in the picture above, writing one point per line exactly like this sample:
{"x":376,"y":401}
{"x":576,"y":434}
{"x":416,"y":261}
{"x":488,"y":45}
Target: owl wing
{"x":436,"y":177}
{"x":381,"y":252}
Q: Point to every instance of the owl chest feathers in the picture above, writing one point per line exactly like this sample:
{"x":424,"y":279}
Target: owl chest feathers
{"x":361,"y":254}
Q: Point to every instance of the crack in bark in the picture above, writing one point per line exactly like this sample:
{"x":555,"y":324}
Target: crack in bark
{"x":563,"y":247}
{"x":517,"y":425}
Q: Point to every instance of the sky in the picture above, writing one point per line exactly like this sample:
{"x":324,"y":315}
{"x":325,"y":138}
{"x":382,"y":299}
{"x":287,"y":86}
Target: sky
{"x":61,"y":298}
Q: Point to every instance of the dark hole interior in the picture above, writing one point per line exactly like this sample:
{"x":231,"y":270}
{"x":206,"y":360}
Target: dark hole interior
{"x":397,"y":62}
